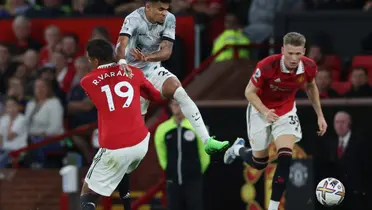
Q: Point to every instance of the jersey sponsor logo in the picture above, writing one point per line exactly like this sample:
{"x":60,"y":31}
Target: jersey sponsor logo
{"x":189,"y":135}
{"x":276,"y":88}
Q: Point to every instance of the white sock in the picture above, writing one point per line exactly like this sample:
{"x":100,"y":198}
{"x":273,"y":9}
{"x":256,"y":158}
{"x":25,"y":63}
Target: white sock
{"x":274,"y":205}
{"x":191,"y":112}
{"x":236,"y":149}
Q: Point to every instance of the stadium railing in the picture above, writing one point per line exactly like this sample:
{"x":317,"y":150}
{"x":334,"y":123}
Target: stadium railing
{"x":159,"y":187}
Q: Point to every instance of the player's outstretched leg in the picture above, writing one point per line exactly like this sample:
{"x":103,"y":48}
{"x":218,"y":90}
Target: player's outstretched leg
{"x":246,"y":154}
{"x":284,"y":146}
{"x":172,"y":89}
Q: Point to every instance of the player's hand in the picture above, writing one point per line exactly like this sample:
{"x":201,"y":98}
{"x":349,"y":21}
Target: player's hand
{"x":322,"y":126}
{"x":125,"y":67}
{"x":270,"y":115}
{"x":138,"y":55}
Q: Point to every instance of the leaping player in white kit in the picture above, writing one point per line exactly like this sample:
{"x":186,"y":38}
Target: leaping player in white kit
{"x":146,"y":38}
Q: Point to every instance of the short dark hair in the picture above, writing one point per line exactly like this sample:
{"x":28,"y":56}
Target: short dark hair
{"x":71,"y":35}
{"x":161,"y":1}
{"x":100,"y":49}
{"x":103,"y":31}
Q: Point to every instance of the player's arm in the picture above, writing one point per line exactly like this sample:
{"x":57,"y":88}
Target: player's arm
{"x":120,"y":47}
{"x":255,"y":83}
{"x":163,"y":54}
{"x":313,"y":94}
{"x":127,"y":29}
{"x":166,"y":45}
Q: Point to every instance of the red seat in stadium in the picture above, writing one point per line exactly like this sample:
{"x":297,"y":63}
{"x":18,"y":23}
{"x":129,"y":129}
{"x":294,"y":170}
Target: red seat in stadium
{"x":333,"y":63}
{"x":362,"y":60}
{"x":341,"y":87}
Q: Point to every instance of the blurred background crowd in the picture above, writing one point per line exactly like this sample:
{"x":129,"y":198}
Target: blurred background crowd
{"x":40,"y":94}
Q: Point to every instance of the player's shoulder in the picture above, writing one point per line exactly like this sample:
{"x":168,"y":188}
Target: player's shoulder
{"x":269,"y":63}
{"x":136,"y":14}
{"x":88,"y":77}
{"x":170,"y":17}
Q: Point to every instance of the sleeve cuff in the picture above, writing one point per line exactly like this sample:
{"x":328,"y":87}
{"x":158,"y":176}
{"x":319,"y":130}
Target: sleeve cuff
{"x":167,"y":39}
{"x":125,"y":34}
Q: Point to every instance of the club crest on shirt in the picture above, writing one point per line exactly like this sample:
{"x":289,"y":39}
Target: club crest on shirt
{"x":300,"y":79}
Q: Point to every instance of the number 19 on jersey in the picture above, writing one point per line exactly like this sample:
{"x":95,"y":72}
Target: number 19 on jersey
{"x":128,"y":94}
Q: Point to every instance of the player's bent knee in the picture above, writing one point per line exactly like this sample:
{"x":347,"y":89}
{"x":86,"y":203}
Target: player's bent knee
{"x":260,"y":163}
{"x":170,"y":86}
{"x":285,"y":141}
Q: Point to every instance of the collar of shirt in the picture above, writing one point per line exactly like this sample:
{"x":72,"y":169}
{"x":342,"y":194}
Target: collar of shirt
{"x":300,"y":68}
{"x":344,"y":140}
{"x":106,"y":65}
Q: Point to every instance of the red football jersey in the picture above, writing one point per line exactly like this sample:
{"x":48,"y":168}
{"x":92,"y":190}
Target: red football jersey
{"x":277,"y":86}
{"x":117,"y":99}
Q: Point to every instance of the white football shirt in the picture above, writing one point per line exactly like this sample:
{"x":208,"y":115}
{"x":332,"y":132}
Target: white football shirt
{"x":146,"y":36}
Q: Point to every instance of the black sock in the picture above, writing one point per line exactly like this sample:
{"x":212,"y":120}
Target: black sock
{"x":281,"y":173}
{"x":257,"y":163}
{"x":88,"y":201}
{"x":125,"y":192}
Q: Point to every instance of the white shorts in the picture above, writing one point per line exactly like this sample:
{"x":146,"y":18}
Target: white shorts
{"x":261,"y":133}
{"x":157,"y":77}
{"x":110,"y":166}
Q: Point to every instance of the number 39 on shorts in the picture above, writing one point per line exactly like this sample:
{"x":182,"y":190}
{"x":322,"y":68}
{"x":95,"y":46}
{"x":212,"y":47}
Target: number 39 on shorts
{"x":128,"y":94}
{"x":293,"y":119}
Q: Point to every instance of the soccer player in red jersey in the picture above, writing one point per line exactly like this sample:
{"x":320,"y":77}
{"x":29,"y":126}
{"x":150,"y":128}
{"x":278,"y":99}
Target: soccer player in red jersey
{"x":123,"y":135}
{"x":271,"y":113}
